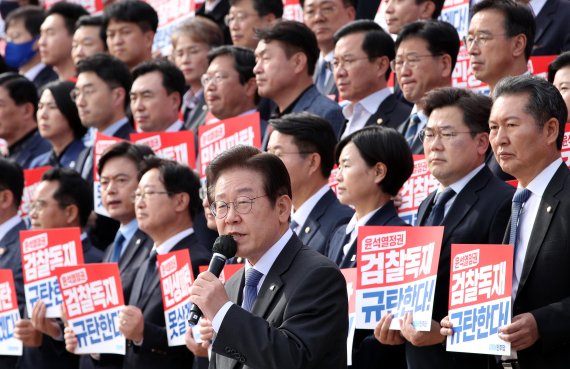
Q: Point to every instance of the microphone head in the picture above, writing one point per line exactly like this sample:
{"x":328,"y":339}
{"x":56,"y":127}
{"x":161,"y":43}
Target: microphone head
{"x":225,"y":245}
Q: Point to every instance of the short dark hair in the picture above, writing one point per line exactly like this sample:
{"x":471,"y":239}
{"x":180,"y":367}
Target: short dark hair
{"x":32,"y":15}
{"x":111,"y":70}
{"x":441,"y":37}
{"x":476,"y":107}
{"x":276,"y":180}
{"x":72,"y":190}
{"x":438,"y":7}
{"x":172,"y":77}
{"x":93,"y":21}
{"x":20,"y":89}
{"x":561,"y":61}
{"x":543,"y":100}
{"x":346,"y":3}
{"x":177,"y":178}
{"x":264,"y":7}
{"x":295,"y":37}
{"x":70,"y":13}
{"x":311,"y":134}
{"x":124,"y":149}
{"x":376,"y":42}
{"x":12,"y":179}
{"x":378,"y":144}
{"x":132,"y":11}
{"x":518,"y":19}
{"x":61,"y":90}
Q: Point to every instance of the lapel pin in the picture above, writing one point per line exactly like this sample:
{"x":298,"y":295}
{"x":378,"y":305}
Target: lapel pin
{"x":272,"y":287}
{"x":2,"y":250}
{"x":307,"y":229}
{"x":549,"y":209}
{"x":379,"y":121}
{"x":353,"y":258}
{"x":138,"y":241}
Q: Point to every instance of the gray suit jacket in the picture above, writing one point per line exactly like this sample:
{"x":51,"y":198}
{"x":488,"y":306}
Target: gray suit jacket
{"x":299,"y":319}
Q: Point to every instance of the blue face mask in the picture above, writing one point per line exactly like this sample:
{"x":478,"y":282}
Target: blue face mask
{"x":19,"y":54}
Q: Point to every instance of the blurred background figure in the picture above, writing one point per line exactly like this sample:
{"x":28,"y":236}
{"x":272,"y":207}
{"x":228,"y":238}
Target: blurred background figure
{"x":559,"y":76}
{"x":89,"y":38}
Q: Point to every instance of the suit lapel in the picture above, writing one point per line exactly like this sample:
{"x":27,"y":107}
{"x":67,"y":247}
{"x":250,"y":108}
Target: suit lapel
{"x":133,"y":248}
{"x":423,"y":209}
{"x":544,"y":19}
{"x":382,"y":114}
{"x":312,"y":225}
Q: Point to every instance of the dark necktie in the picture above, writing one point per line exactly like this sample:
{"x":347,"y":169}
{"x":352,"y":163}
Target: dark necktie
{"x":252,"y":278}
{"x":117,"y":247}
{"x":412,"y":130}
{"x":293,"y":225}
{"x":521,"y":196}
{"x":438,"y":210}
{"x":151,"y":269}
{"x":321,"y":81}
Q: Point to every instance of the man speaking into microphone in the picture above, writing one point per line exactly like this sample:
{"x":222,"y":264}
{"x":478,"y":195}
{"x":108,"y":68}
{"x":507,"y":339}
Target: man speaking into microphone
{"x":288,"y":307}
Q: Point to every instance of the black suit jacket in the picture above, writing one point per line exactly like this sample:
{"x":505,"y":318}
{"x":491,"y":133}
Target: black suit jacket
{"x":417,"y":146}
{"x":47,"y":74}
{"x":299,"y":319}
{"x":544,"y":289}
{"x":218,"y":15}
{"x":552,"y":35}
{"x":327,"y":215}
{"x":479,"y":215}
{"x":154,"y":351}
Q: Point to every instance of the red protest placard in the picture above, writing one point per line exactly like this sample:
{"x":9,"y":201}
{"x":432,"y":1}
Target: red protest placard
{"x":217,"y":138}
{"x":171,"y":13}
{"x":292,"y":10}
{"x":92,"y":6}
{"x":420,"y":184}
{"x":177,"y":146}
{"x":43,"y":251}
{"x":227,"y":272}
{"x":102,"y":142}
{"x":456,"y":13}
{"x":92,"y":298}
{"x":9,"y":315}
{"x":397,"y":270}
{"x":566,"y":145}
{"x":32,"y":177}
{"x":480,"y":298}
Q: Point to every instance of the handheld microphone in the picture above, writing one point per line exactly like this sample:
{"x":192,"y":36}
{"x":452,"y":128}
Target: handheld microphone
{"x":224,"y":248}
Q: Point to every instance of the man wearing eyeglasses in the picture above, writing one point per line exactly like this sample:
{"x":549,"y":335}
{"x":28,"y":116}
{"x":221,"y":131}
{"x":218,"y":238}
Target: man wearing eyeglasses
{"x":287,"y":308}
{"x":426,"y":52}
{"x":361,"y":64}
{"x":247,"y":16}
{"x":471,"y":203}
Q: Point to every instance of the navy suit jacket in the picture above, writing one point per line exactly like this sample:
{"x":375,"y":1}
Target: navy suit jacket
{"x":67,"y":159}
{"x":154,"y":351}
{"x":27,"y":150}
{"x":479,"y":215}
{"x":417,"y":146}
{"x":11,"y":258}
{"x":327,"y":215}
{"x":552,"y":35}
{"x":47,"y":74}
{"x":313,"y":101}
{"x":299,"y":319}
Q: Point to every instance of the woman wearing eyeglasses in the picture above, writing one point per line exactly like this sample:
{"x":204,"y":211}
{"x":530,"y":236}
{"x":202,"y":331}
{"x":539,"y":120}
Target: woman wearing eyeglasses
{"x":59,"y":124}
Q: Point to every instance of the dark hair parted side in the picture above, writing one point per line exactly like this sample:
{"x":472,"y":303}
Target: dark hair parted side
{"x":438,"y":7}
{"x":33,"y":16}
{"x":518,"y":19}
{"x":70,"y":13}
{"x":111,"y":70}
{"x":264,"y":7}
{"x":93,"y":21}
{"x":441,"y":37}
{"x":177,"y":178}
{"x":543,"y":100}
{"x":385,"y":145}
{"x":276,"y":181}
{"x":20,"y":89}
{"x":12,"y":179}
{"x":61,"y":93}
{"x":346,"y":3}
{"x":72,"y":190}
{"x":132,"y":11}
{"x":134,"y":152}
{"x":172,"y":77}
{"x":476,"y":107}
{"x":376,"y":42}
{"x":311,"y":134}
{"x":295,"y":37}
{"x":561,"y":61}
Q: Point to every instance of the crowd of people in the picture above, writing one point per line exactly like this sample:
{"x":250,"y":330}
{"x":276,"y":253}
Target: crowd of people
{"x":323,"y":91}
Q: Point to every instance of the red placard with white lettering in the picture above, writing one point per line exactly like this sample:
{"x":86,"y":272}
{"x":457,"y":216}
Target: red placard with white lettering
{"x":456,"y":12}
{"x":92,"y":298}
{"x":32,"y":177}
{"x":9,"y":315}
{"x":92,"y":6}
{"x":217,"y":138}
{"x":397,"y":270}
{"x":171,"y":13}
{"x":175,"y":271}
{"x":292,"y":10}
{"x":420,"y":184}
{"x":566,"y":145}
{"x":177,"y":146}
{"x":102,"y":142}
{"x":227,"y":272}
{"x":350,"y":277}
{"x":480,"y":298}
{"x":44,"y":250}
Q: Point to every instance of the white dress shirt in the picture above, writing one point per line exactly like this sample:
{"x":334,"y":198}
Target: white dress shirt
{"x":359,"y":112}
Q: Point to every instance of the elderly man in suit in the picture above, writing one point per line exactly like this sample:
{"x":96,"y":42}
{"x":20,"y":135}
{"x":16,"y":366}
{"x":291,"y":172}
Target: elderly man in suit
{"x":288,"y":307}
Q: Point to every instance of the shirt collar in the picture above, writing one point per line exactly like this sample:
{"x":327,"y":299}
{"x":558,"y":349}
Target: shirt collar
{"x":175,"y":127}
{"x":113,"y":128}
{"x":537,"y":6}
{"x":209,"y":6}
{"x":370,"y":103}
{"x":265,"y":263}
{"x":34,"y":71}
{"x":8,"y":225}
{"x":539,"y":183}
{"x":128,"y":230}
{"x":459,"y":185}
{"x":167,"y":245}
{"x":354,"y":223}
{"x":300,"y":215}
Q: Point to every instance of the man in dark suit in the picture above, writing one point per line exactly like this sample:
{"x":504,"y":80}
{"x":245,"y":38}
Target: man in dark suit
{"x":426,"y":53}
{"x":166,"y":202}
{"x":530,"y":151}
{"x":294,"y":306}
{"x":361,"y":63}
{"x":217,"y":11}
{"x":305,"y":143}
{"x":471,"y":203}
{"x":286,"y":76}
{"x":552,"y":31}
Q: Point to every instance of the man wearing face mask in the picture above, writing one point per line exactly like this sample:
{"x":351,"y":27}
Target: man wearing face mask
{"x":22,"y":32}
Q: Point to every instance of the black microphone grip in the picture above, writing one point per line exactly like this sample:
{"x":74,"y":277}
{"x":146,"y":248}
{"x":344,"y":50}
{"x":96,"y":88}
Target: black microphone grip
{"x":216,"y":266}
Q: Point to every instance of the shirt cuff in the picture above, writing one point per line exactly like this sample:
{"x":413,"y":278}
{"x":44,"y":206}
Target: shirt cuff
{"x":220,"y":315}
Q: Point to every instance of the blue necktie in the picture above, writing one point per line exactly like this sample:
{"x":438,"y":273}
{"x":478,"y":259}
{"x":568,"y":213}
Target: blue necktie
{"x":293,"y":226}
{"x":435,"y":218}
{"x":521,"y":196}
{"x":412,"y":130}
{"x":252,"y":278}
{"x":118,"y":247}
{"x":322,"y":77}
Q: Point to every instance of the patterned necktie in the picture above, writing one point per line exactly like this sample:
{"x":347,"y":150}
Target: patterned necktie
{"x":438,"y":210}
{"x":521,"y":196}
{"x":252,"y":278}
{"x":117,"y":247}
{"x":412,"y":130}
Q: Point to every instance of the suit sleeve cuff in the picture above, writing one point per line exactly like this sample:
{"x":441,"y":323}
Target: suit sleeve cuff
{"x":220,"y":315}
